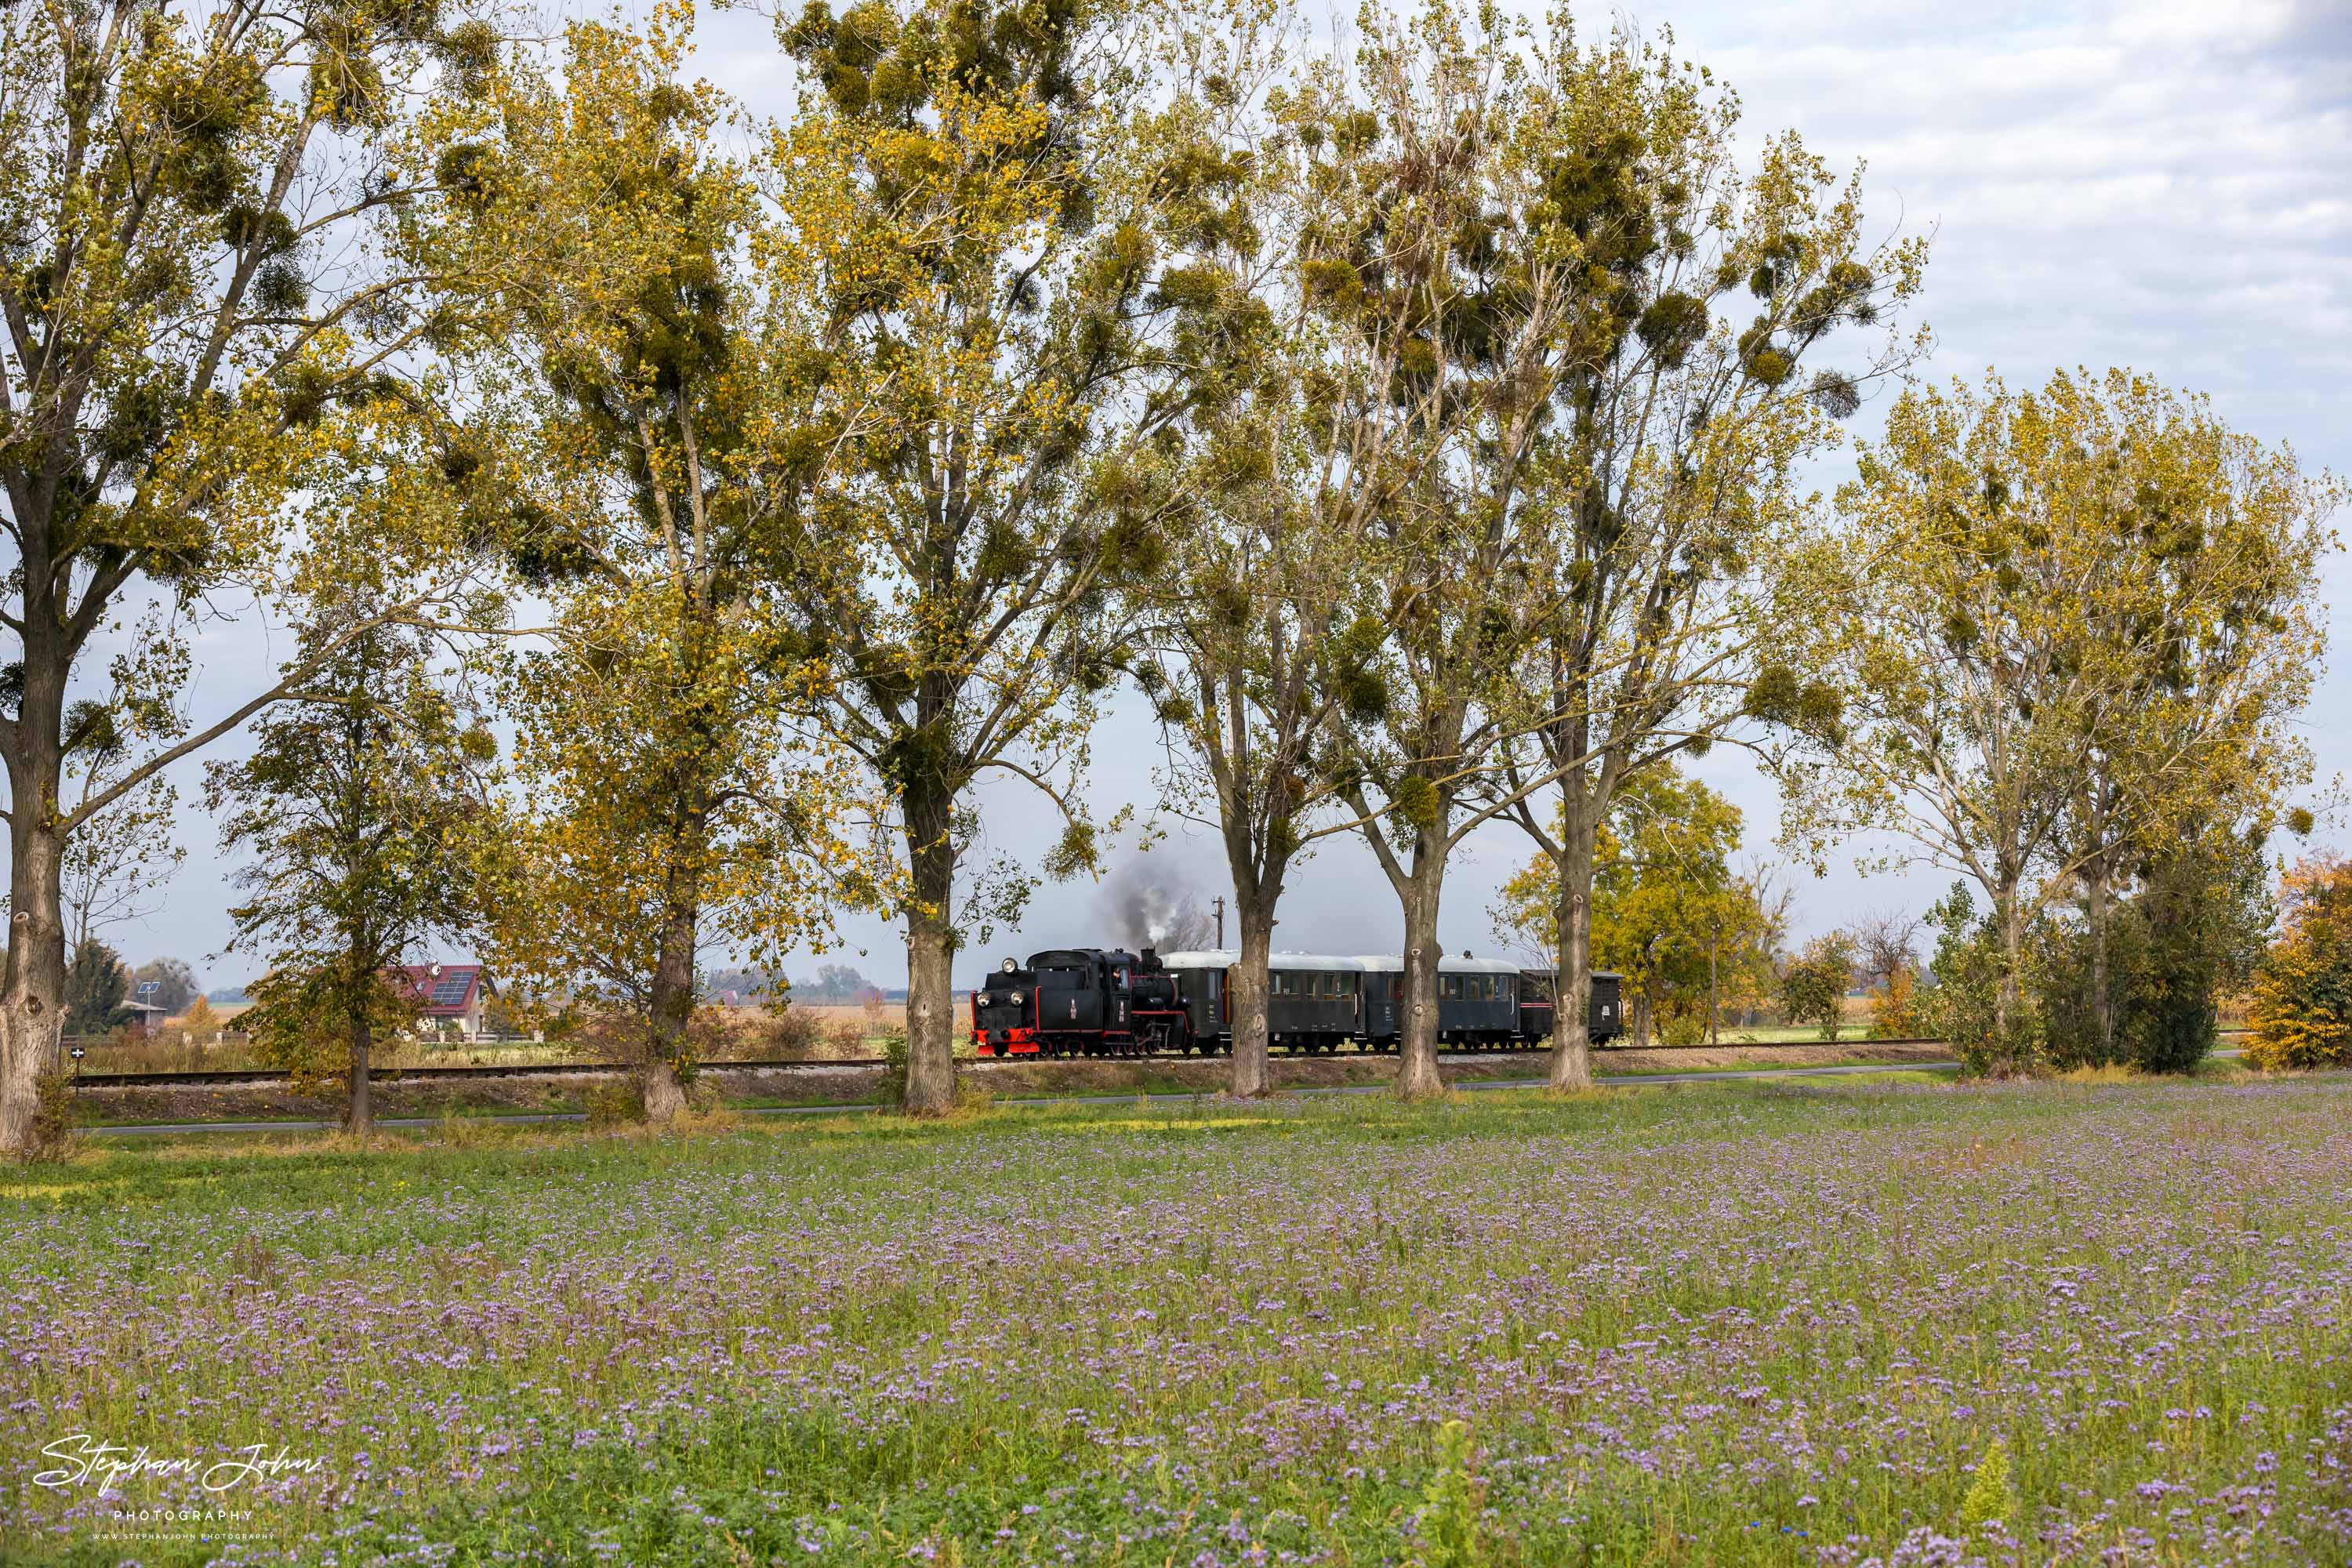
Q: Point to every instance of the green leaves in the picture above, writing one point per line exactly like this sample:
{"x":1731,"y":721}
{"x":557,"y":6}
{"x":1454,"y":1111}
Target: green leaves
{"x":2030,"y":653}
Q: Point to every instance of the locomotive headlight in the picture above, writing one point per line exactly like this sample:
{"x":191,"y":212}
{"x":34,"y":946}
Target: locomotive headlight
{"x":1008,"y":966}
{"x":1016,"y":998}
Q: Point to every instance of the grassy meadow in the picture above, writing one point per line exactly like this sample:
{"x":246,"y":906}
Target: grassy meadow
{"x":1824,"y":1321}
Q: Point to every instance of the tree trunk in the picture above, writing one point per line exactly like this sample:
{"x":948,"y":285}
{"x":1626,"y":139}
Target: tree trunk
{"x":2094,"y":921}
{"x":1714,"y":985}
{"x":1417,"y":1076}
{"x":1640,"y":1019}
{"x":32,"y":1004}
{"x":931,"y":954}
{"x":357,"y":1119}
{"x":2008,"y":1008}
{"x":660,"y":1077}
{"x":1571,"y":1006}
{"x":1247,"y":999}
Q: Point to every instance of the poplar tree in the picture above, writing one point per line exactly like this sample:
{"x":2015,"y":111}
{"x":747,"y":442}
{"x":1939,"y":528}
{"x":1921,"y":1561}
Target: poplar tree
{"x":1569,"y":574}
{"x":1442,"y":285}
{"x":1260,"y":634}
{"x":2203,"y":620}
{"x":1702,"y":289}
{"x":656,"y":418}
{"x":199,"y":339}
{"x":965,"y":190}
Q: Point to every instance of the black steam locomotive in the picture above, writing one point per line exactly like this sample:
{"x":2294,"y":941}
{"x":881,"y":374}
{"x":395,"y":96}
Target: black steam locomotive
{"x":1107,"y":1001}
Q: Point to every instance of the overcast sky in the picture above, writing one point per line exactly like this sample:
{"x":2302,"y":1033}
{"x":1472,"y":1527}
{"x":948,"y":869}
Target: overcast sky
{"x":2163,"y":185}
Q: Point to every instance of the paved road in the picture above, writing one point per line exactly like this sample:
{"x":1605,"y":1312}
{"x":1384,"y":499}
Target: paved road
{"x":525,"y":1116}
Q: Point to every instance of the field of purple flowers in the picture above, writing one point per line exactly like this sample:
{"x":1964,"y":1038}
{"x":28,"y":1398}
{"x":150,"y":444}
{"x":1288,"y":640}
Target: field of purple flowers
{"x":1908,"y":1324}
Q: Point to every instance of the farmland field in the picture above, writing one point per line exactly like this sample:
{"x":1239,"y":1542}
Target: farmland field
{"x":1753,"y":1324}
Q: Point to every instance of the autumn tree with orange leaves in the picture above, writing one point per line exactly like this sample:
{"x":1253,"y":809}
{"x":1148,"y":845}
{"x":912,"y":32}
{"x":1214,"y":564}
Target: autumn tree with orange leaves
{"x":2301,"y":1014}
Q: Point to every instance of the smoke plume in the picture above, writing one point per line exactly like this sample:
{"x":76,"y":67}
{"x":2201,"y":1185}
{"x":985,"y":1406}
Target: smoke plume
{"x":1146,"y":904}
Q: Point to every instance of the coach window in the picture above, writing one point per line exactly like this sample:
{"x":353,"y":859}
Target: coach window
{"x":1449,"y":986}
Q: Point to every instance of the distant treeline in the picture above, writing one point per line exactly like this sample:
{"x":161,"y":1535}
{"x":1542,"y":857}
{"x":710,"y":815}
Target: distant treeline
{"x":832,"y":983}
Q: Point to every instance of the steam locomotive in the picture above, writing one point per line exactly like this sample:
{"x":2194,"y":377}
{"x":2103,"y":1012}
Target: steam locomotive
{"x":1107,"y":1001}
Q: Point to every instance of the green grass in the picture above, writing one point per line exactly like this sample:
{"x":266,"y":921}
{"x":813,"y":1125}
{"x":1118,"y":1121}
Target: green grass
{"x":1716,"y":1324}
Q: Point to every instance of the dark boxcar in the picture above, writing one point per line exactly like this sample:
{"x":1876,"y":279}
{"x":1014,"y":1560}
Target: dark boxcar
{"x":1606,"y":1016}
{"x":1603,"y":1017}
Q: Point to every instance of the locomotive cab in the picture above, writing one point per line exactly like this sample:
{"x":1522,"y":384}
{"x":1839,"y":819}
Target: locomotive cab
{"x":1161,"y":1021}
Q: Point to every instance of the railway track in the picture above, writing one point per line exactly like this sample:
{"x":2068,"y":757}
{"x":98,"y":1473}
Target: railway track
{"x":268,"y":1076}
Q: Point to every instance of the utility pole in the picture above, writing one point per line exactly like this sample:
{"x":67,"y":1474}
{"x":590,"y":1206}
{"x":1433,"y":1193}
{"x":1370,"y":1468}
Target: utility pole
{"x":1220,"y":920}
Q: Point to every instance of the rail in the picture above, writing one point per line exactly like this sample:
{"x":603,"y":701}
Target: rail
{"x":382,"y":1075}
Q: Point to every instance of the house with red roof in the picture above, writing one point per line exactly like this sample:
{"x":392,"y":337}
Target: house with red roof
{"x":449,"y":994}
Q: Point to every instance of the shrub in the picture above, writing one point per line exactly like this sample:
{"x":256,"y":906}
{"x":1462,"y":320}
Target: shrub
{"x":2204,"y":908}
{"x":2189,"y":929}
{"x":1812,"y":988}
{"x":614,"y":1105}
{"x":1964,"y":1009}
{"x":2301,"y":1013}
{"x":201,"y":1023}
{"x":795,"y":1035}
{"x":1894,"y":1012}
{"x":1452,"y":1503}
{"x":54,"y":1114}
{"x":2058,"y":976}
{"x":894,"y":1068}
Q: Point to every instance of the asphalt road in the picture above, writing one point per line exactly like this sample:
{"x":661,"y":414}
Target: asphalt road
{"x":1727,"y":1075}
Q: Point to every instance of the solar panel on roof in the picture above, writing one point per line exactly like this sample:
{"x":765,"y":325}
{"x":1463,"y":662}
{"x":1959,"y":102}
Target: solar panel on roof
{"x":451,"y":991}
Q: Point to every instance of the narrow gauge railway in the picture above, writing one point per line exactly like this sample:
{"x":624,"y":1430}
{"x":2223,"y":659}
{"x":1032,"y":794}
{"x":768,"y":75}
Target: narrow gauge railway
{"x":270,"y":1077}
{"x":1108,"y":1002}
